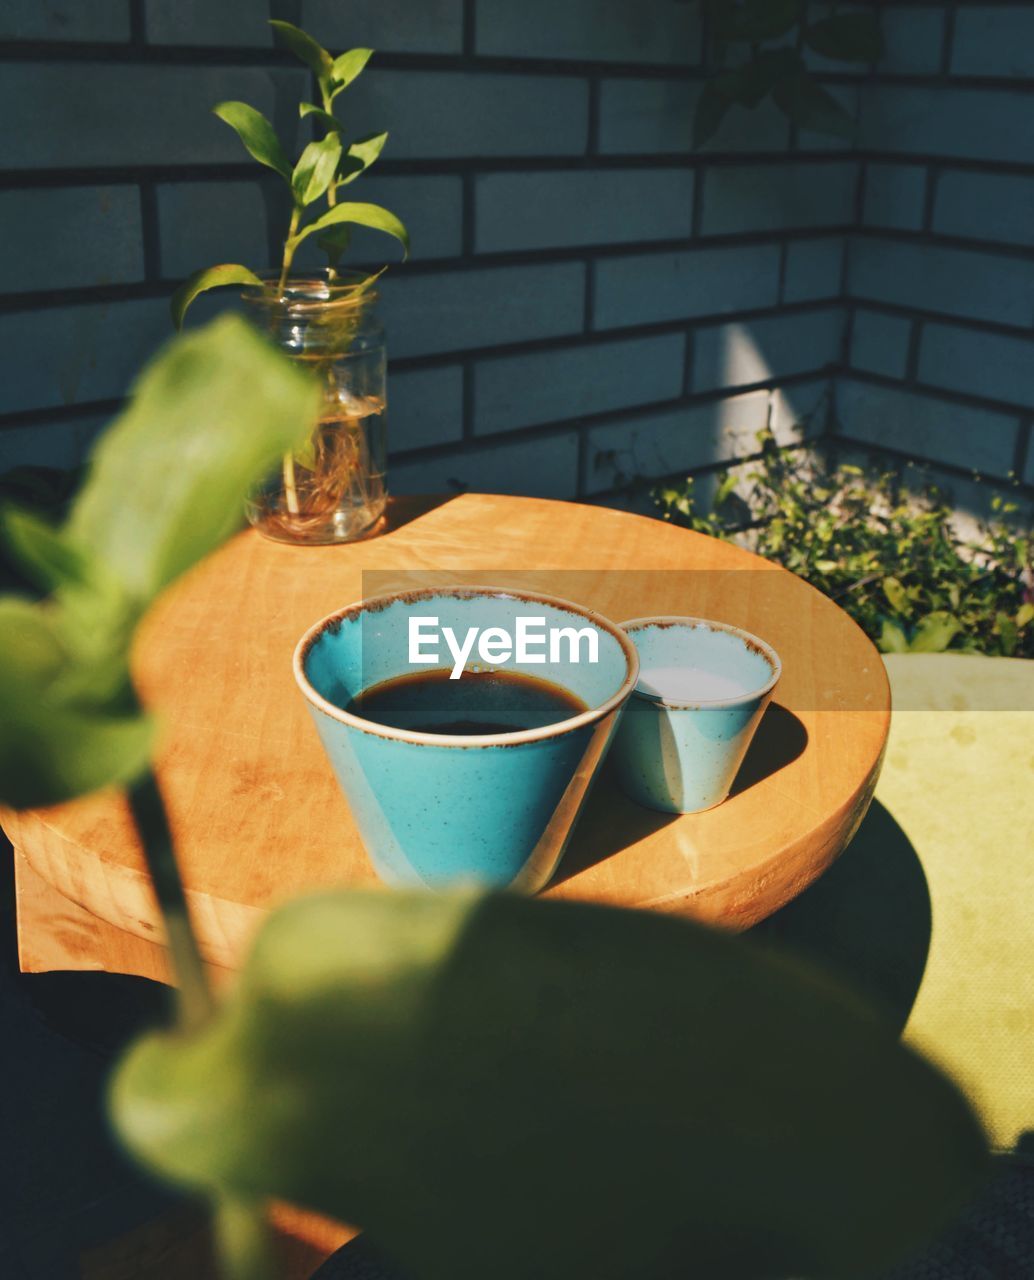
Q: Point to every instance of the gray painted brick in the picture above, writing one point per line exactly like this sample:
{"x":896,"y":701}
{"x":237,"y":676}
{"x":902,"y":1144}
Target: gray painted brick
{"x":813,"y":269}
{"x":99,"y":20}
{"x":738,"y":354}
{"x":600,"y":30}
{"x":982,"y":364}
{"x":202,"y":22}
{"x":557,"y":210}
{"x":651,"y":288}
{"x":913,"y":39}
{"x":82,"y":114}
{"x":1028,"y":471}
{"x":656,"y":117}
{"x":425,"y":406}
{"x":674,"y":441}
{"x":401,"y":26}
{"x":957,"y":282}
{"x":988,"y":206}
{"x":548,"y":386}
{"x":894,"y":196}
{"x":70,"y":238}
{"x":537,"y":468}
{"x":73,"y":355}
{"x":769,"y":197}
{"x":993,"y":40}
{"x":800,"y":411}
{"x":879,"y":343}
{"x":50,"y":444}
{"x":446,"y":114}
{"x":926,"y":427}
{"x":430,"y":205}
{"x":979,"y":124}
{"x":453,"y":311}
{"x":204,"y":223}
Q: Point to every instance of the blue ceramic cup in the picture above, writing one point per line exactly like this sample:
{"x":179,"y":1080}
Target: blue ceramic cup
{"x":703,"y":688}
{"x":438,"y":809}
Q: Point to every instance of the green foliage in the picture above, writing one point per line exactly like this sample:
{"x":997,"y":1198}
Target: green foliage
{"x":779,"y":71}
{"x":209,"y":278}
{"x":496,"y":1086}
{"x":165,"y":487}
{"x":324,"y":166}
{"x":889,"y":556}
{"x":257,"y":134}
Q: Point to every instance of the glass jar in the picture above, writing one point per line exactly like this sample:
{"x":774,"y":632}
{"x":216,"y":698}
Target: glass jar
{"x":333,"y":489}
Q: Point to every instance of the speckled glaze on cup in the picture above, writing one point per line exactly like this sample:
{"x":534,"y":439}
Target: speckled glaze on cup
{"x":435,"y":810}
{"x":682,"y":757}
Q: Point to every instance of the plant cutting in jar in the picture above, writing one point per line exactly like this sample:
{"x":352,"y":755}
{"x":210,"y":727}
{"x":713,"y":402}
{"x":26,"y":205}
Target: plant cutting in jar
{"x":333,"y":488}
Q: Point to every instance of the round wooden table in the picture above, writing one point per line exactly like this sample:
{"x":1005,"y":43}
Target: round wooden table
{"x":258,"y":817}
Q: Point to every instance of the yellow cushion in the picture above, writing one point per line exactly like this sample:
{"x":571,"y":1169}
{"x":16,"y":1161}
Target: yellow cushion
{"x":930,"y":910}
{"x":959,"y":779}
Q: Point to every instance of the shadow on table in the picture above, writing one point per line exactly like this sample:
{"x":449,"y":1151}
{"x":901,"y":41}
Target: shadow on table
{"x":404,"y":510}
{"x":611,"y":821}
{"x":779,"y":740}
{"x":867,"y":919}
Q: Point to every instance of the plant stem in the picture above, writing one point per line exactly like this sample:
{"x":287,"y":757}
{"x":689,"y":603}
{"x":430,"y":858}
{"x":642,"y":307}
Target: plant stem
{"x":285,"y":268}
{"x":290,"y":485}
{"x":243,"y":1239}
{"x":195,"y":1003}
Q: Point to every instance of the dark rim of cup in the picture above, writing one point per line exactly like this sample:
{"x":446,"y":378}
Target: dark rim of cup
{"x":332,"y":622}
{"x":759,"y":646}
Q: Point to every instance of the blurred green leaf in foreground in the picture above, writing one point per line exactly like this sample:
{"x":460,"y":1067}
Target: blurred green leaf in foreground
{"x":501,"y":1087}
{"x":166,"y":485}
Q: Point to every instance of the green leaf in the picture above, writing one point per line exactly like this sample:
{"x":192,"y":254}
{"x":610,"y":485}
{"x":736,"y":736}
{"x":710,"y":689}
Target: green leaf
{"x":205,"y":279}
{"x":811,"y":107}
{"x":211,"y":415}
{"x":1024,"y":615}
{"x":711,"y":109}
{"x":847,"y":37}
{"x":334,"y":243}
{"x":892,"y":638}
{"x":441,"y":1069}
{"x":366,"y":215}
{"x":45,"y":553}
{"x":365,"y":151}
{"x":725,"y":488}
{"x":304,"y":47}
{"x":1008,"y":633}
{"x":317,"y":113}
{"x":52,"y":746}
{"x":315,"y":169}
{"x":935,"y":632}
{"x":896,"y":595}
{"x":347,"y":66}
{"x":255,"y":131}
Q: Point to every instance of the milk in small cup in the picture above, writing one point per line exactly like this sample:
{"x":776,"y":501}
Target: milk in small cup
{"x":703,"y":687}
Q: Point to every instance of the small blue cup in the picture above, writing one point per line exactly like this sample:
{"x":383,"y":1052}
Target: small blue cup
{"x":435,"y":809}
{"x":703,"y":688}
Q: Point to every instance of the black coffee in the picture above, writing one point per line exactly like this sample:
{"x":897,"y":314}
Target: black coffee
{"x":478,"y":702}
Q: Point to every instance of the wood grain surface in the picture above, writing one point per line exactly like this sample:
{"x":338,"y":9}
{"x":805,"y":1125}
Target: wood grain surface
{"x":258,"y":817}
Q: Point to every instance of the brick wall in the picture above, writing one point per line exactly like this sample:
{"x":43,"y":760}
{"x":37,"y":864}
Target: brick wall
{"x":940,"y":279}
{"x":588,"y":298}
